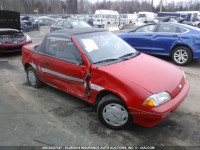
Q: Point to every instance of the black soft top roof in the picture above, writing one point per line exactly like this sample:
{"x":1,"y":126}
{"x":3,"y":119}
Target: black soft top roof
{"x":67,"y":33}
{"x":70,"y":32}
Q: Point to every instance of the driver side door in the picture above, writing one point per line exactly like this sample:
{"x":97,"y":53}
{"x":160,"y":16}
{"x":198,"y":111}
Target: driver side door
{"x":63,"y":67}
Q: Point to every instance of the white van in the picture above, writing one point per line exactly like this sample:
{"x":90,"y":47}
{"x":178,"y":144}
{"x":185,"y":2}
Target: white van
{"x":103,"y":17}
{"x":146,"y":16}
{"x":128,"y":18}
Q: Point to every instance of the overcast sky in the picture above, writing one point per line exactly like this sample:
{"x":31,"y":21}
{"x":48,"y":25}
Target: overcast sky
{"x":156,"y":2}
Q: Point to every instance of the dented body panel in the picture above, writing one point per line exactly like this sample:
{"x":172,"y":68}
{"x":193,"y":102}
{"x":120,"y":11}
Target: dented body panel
{"x":161,"y":43}
{"x":132,"y":80}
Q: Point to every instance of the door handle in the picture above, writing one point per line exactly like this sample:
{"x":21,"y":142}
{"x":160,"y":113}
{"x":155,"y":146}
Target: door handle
{"x":47,"y":63}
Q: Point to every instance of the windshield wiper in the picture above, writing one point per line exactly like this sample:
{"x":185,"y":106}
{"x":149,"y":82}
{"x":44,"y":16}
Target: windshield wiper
{"x":106,"y":60}
{"x":119,"y":58}
{"x":129,"y":54}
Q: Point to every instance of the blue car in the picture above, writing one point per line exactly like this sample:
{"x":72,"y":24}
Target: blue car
{"x":178,"y":41}
{"x":29,"y":23}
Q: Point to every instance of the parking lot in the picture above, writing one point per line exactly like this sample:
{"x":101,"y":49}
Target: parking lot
{"x":48,"y":116}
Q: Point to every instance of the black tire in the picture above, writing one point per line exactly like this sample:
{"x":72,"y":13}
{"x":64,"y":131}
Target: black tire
{"x":187,"y":58}
{"x":115,"y":101}
{"x":199,"y":25}
{"x":37,"y":83}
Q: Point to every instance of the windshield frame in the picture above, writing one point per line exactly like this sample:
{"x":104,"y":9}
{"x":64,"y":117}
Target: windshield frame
{"x":106,"y":62}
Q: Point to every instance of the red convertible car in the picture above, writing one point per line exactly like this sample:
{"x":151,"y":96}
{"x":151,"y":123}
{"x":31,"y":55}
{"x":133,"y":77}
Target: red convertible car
{"x":100,"y":68}
{"x":11,"y":37}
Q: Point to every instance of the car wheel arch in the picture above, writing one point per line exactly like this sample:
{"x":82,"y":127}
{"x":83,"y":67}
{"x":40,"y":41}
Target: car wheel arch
{"x":106,"y":112}
{"x":179,"y":45}
{"x":27,"y":65}
{"x":104,"y":93}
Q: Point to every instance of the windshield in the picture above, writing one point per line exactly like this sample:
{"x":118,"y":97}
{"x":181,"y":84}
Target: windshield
{"x":80,"y":24}
{"x":142,"y":16}
{"x":100,"y":46}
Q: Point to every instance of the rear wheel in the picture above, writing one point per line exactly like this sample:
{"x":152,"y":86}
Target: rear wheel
{"x":182,"y":56}
{"x":113,"y":112}
{"x":33,"y":78}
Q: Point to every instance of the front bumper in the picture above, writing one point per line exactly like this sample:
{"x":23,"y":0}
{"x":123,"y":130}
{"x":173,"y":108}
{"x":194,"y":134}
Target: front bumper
{"x":159,"y":113}
{"x":11,"y":48}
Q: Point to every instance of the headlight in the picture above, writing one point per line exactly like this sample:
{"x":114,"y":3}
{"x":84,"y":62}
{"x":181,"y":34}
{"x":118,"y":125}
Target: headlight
{"x":157,"y":99}
{"x":28,"y":39}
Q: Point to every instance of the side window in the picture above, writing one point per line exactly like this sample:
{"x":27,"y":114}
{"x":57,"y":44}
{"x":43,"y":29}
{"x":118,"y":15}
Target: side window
{"x":63,"y":49}
{"x":167,"y":28}
{"x":59,"y":23}
{"x":147,"y":29}
{"x":43,"y":20}
{"x":66,"y":24}
{"x":51,"y":21}
{"x":42,"y":47}
{"x":40,"y":20}
{"x":181,"y":30}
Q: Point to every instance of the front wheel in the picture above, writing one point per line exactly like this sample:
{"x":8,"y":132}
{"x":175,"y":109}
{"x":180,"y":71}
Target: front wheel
{"x":113,"y":112}
{"x":182,"y":56}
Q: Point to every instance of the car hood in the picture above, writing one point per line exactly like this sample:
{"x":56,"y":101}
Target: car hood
{"x":151,"y":73}
{"x":12,"y":16}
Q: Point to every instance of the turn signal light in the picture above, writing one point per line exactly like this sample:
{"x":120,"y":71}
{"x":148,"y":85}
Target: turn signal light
{"x":149,"y":102}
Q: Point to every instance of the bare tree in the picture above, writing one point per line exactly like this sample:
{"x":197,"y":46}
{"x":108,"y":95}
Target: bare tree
{"x":86,"y":6}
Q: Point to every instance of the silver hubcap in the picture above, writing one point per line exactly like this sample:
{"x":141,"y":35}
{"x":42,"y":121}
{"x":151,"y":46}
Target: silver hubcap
{"x":115,"y":114}
{"x":180,"y":56}
{"x":31,"y":77}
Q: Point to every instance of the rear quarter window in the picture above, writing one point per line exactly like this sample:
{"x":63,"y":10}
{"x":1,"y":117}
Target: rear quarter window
{"x":166,"y":28}
{"x":181,"y":30}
